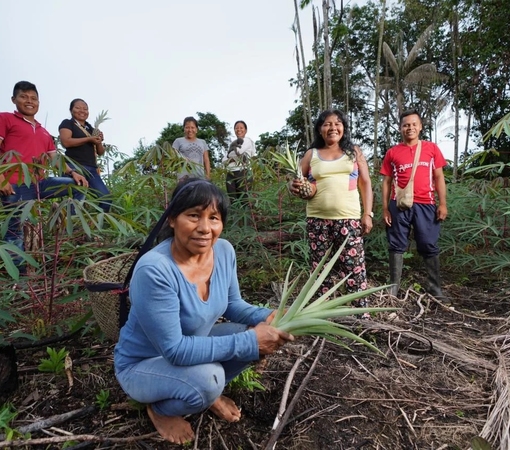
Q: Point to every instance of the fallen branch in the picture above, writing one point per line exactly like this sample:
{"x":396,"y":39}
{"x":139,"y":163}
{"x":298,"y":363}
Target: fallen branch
{"x":195,"y":447}
{"x":54,"y":420}
{"x":288,"y":383}
{"x":271,"y":444}
{"x":422,"y":309}
{"x":76,"y":437}
{"x":222,"y":441}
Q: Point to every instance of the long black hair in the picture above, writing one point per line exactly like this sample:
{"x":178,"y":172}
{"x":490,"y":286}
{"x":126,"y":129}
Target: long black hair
{"x":345,"y":142}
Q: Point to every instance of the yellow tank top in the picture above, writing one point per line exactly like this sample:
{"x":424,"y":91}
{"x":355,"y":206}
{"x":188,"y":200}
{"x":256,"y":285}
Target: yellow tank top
{"x":337,"y":194}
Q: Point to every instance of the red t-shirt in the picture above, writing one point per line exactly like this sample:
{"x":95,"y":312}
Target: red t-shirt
{"x":29,"y":140}
{"x":398,"y":164}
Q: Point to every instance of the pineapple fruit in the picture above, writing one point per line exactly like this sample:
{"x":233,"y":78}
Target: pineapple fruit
{"x":290,"y":163}
{"x":101,"y":117}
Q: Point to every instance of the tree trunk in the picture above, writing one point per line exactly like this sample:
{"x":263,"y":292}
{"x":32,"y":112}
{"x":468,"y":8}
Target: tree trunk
{"x":305,"y":86}
{"x":455,"y":46}
{"x":376,"y":160}
{"x":328,"y":90}
{"x":316,"y":55}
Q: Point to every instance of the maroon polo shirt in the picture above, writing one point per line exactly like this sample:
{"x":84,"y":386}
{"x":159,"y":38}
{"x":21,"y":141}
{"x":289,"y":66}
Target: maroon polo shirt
{"x":29,"y":140}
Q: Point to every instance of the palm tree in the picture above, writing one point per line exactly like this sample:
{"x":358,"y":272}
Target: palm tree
{"x":328,"y":89}
{"x":405,"y":76}
{"x":377,"y":83}
{"x":305,"y":87}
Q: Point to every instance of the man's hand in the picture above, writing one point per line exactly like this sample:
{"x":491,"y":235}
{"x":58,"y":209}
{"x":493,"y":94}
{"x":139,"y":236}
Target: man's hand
{"x":5,"y":187}
{"x":387,"y":217}
{"x":80,"y":180}
{"x":442,"y":212}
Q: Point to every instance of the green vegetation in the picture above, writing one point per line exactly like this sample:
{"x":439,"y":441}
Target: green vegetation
{"x":305,"y":317}
{"x":247,"y":380}
{"x":56,"y":361}
{"x":7,"y":414}
{"x":269,"y":234}
{"x":102,"y":399}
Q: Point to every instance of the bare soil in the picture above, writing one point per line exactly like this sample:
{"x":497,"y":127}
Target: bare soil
{"x":432,"y":388}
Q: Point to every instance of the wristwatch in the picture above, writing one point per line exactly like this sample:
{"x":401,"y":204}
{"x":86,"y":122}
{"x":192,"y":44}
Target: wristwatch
{"x":371,"y":214}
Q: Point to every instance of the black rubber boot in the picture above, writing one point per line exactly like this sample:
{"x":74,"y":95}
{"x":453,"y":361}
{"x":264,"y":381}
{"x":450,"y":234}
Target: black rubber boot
{"x":434,"y":278}
{"x":396,"y":264}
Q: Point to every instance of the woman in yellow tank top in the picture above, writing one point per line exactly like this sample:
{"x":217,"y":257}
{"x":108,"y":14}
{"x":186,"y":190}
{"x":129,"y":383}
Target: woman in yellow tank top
{"x":340,"y":179}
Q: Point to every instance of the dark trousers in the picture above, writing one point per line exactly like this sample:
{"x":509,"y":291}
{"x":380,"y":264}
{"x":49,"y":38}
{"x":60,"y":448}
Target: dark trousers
{"x":52,"y":187}
{"x":97,"y":186}
{"x":238,"y":184}
{"x":422,"y":218}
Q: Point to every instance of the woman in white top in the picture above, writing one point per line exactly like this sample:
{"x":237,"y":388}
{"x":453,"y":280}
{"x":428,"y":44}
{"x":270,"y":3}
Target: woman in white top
{"x":237,"y":161}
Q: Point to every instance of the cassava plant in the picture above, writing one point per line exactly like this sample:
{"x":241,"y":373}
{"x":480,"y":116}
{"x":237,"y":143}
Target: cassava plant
{"x":307,"y":317}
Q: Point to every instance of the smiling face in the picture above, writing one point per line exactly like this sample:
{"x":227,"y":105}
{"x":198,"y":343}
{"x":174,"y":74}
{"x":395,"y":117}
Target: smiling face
{"x":196,"y":230}
{"x":332,"y":130}
{"x":80,"y":111}
{"x":27,"y":103}
{"x":410,"y":128}
{"x":240,"y":130}
{"x":190,"y":130}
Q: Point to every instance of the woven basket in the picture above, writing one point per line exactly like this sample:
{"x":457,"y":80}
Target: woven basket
{"x":111,"y":273}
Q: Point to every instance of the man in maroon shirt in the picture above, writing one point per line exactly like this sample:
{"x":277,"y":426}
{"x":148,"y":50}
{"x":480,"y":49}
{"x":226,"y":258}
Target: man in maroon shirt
{"x":424,"y":216}
{"x":23,"y":139}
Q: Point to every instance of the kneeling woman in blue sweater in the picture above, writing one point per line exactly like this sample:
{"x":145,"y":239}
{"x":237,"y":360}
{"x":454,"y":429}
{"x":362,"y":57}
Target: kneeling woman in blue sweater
{"x":172,"y":354}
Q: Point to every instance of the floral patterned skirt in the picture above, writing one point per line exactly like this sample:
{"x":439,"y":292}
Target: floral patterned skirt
{"x":323,"y":234}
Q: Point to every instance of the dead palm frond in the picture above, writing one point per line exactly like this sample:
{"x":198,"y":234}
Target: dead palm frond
{"x":497,"y":427}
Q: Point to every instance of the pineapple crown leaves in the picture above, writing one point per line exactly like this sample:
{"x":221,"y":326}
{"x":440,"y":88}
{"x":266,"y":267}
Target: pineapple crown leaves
{"x":101,"y":117}
{"x":330,"y":331}
{"x":289,"y":160}
{"x":305,"y":318}
{"x":309,"y":289}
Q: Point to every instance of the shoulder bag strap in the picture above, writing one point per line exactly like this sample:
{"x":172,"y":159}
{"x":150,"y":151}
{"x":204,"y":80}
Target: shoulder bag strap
{"x":86,"y":132}
{"x":416,"y":160}
{"x":415,"y":164}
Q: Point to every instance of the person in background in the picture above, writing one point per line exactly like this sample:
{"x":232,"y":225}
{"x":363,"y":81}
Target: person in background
{"x":83,"y":148}
{"x":172,"y":353}
{"x":237,"y":161}
{"x":193,"y":150}
{"x":424,"y":216}
{"x":339,"y":174}
{"x":20,"y":132}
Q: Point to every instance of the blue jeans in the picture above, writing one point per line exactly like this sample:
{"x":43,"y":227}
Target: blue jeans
{"x":52,"y":187}
{"x":181,"y":390}
{"x":96,"y":184}
{"x":426,"y":228}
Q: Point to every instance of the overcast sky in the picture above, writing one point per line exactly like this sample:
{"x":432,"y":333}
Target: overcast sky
{"x":155,"y":61}
{"x":152,"y":62}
